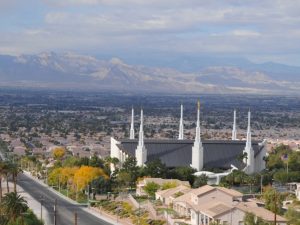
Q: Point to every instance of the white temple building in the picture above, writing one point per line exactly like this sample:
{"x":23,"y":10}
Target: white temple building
{"x":202,"y":155}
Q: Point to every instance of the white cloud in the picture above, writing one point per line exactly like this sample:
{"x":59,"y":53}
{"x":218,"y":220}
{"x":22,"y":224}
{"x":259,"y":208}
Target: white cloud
{"x":244,"y":27}
{"x":246,"y":33}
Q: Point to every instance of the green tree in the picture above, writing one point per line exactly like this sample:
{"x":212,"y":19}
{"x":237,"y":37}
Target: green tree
{"x":156,"y":169}
{"x":200,"y":181}
{"x":150,"y":188}
{"x":293,"y":216}
{"x":31,"y":219}
{"x":14,"y":170}
{"x":71,"y":161}
{"x":108,"y":161}
{"x":273,"y":200}
{"x":96,"y":162}
{"x":130,"y":167}
{"x":294,"y":161}
{"x":13,"y":205}
{"x":281,"y":176}
{"x":123,"y":179}
{"x":251,"y":219}
{"x":2,"y":173}
{"x":182,"y":173}
{"x":6,"y":171}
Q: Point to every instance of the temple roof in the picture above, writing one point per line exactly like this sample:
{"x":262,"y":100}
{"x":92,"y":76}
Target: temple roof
{"x":175,"y":153}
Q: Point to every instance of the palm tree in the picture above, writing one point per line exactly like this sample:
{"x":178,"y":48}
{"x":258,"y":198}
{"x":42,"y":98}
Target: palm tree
{"x":2,"y":172}
{"x":6,"y":172}
{"x":14,"y":170}
{"x":13,"y":205}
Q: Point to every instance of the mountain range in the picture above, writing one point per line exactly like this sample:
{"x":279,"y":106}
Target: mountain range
{"x":72,"y":71}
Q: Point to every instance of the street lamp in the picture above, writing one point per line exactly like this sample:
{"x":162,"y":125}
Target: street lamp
{"x":42,"y":199}
{"x":55,"y":208}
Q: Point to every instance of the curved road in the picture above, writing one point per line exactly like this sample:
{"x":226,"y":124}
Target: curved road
{"x":65,"y":210}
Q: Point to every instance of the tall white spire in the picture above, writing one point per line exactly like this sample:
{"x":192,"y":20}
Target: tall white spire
{"x":198,"y":135}
{"x":141,"y":151}
{"x":249,"y":159}
{"x":248,"y":143}
{"x":132,"y":124}
{"x":234,"y":126}
{"x":180,"y":137}
{"x":141,"y":133}
{"x":197,"y":149}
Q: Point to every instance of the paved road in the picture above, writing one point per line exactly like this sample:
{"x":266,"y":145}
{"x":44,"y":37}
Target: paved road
{"x":65,"y":209}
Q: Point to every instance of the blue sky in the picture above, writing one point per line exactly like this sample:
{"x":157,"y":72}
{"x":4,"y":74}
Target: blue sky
{"x":260,"y":30}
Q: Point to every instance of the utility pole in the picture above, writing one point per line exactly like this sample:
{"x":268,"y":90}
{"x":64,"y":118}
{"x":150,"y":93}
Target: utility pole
{"x":88,"y":195}
{"x":75,"y":218}
{"x":55,"y":205}
{"x":67,"y":189}
{"x":42,"y":207}
{"x":46,"y":175}
{"x":59,"y":183}
{"x":261,"y":184}
{"x":77,"y":191}
{"x":275,"y":204}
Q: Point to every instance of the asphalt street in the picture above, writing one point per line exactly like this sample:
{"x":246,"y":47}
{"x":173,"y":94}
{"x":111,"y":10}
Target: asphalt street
{"x":65,"y":211}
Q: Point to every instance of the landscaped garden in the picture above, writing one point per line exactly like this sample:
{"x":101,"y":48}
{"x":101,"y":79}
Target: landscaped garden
{"x":125,"y":210}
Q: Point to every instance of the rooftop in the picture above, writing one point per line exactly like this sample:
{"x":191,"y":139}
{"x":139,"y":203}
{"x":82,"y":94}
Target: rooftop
{"x":175,"y":153}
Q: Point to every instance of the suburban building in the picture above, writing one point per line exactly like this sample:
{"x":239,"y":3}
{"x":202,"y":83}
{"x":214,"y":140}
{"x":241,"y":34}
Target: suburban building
{"x":167,"y":196}
{"x":142,"y":183}
{"x":226,"y":206}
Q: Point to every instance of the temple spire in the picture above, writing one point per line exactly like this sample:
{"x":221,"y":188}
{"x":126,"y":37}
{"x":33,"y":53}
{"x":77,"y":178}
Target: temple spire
{"x":248,"y":143}
{"x":249,"y":159}
{"x":234,"y":126}
{"x":198,"y":134}
{"x":197,"y":149}
{"x":141,"y":151}
{"x":141,"y":133}
{"x":180,"y":137}
{"x":132,"y":124}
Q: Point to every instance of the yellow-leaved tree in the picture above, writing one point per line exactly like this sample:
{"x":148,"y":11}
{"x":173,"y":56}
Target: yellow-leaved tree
{"x":58,"y":152}
{"x":53,"y":177}
{"x":67,"y":175}
{"x":85,"y":174}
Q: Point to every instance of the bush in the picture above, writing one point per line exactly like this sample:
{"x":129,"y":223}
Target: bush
{"x":150,"y":188}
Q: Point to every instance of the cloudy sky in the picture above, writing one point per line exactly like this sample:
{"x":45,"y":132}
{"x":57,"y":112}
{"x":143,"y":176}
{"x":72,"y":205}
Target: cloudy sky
{"x":260,"y":30}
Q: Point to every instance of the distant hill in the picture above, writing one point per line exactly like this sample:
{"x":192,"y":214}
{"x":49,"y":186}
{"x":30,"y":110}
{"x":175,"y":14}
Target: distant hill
{"x":74,"y":71}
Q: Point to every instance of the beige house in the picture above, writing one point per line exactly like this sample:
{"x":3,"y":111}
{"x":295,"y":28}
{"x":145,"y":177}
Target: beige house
{"x":142,"y":183}
{"x":226,"y":206}
{"x":204,"y":195}
{"x":167,"y":196}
